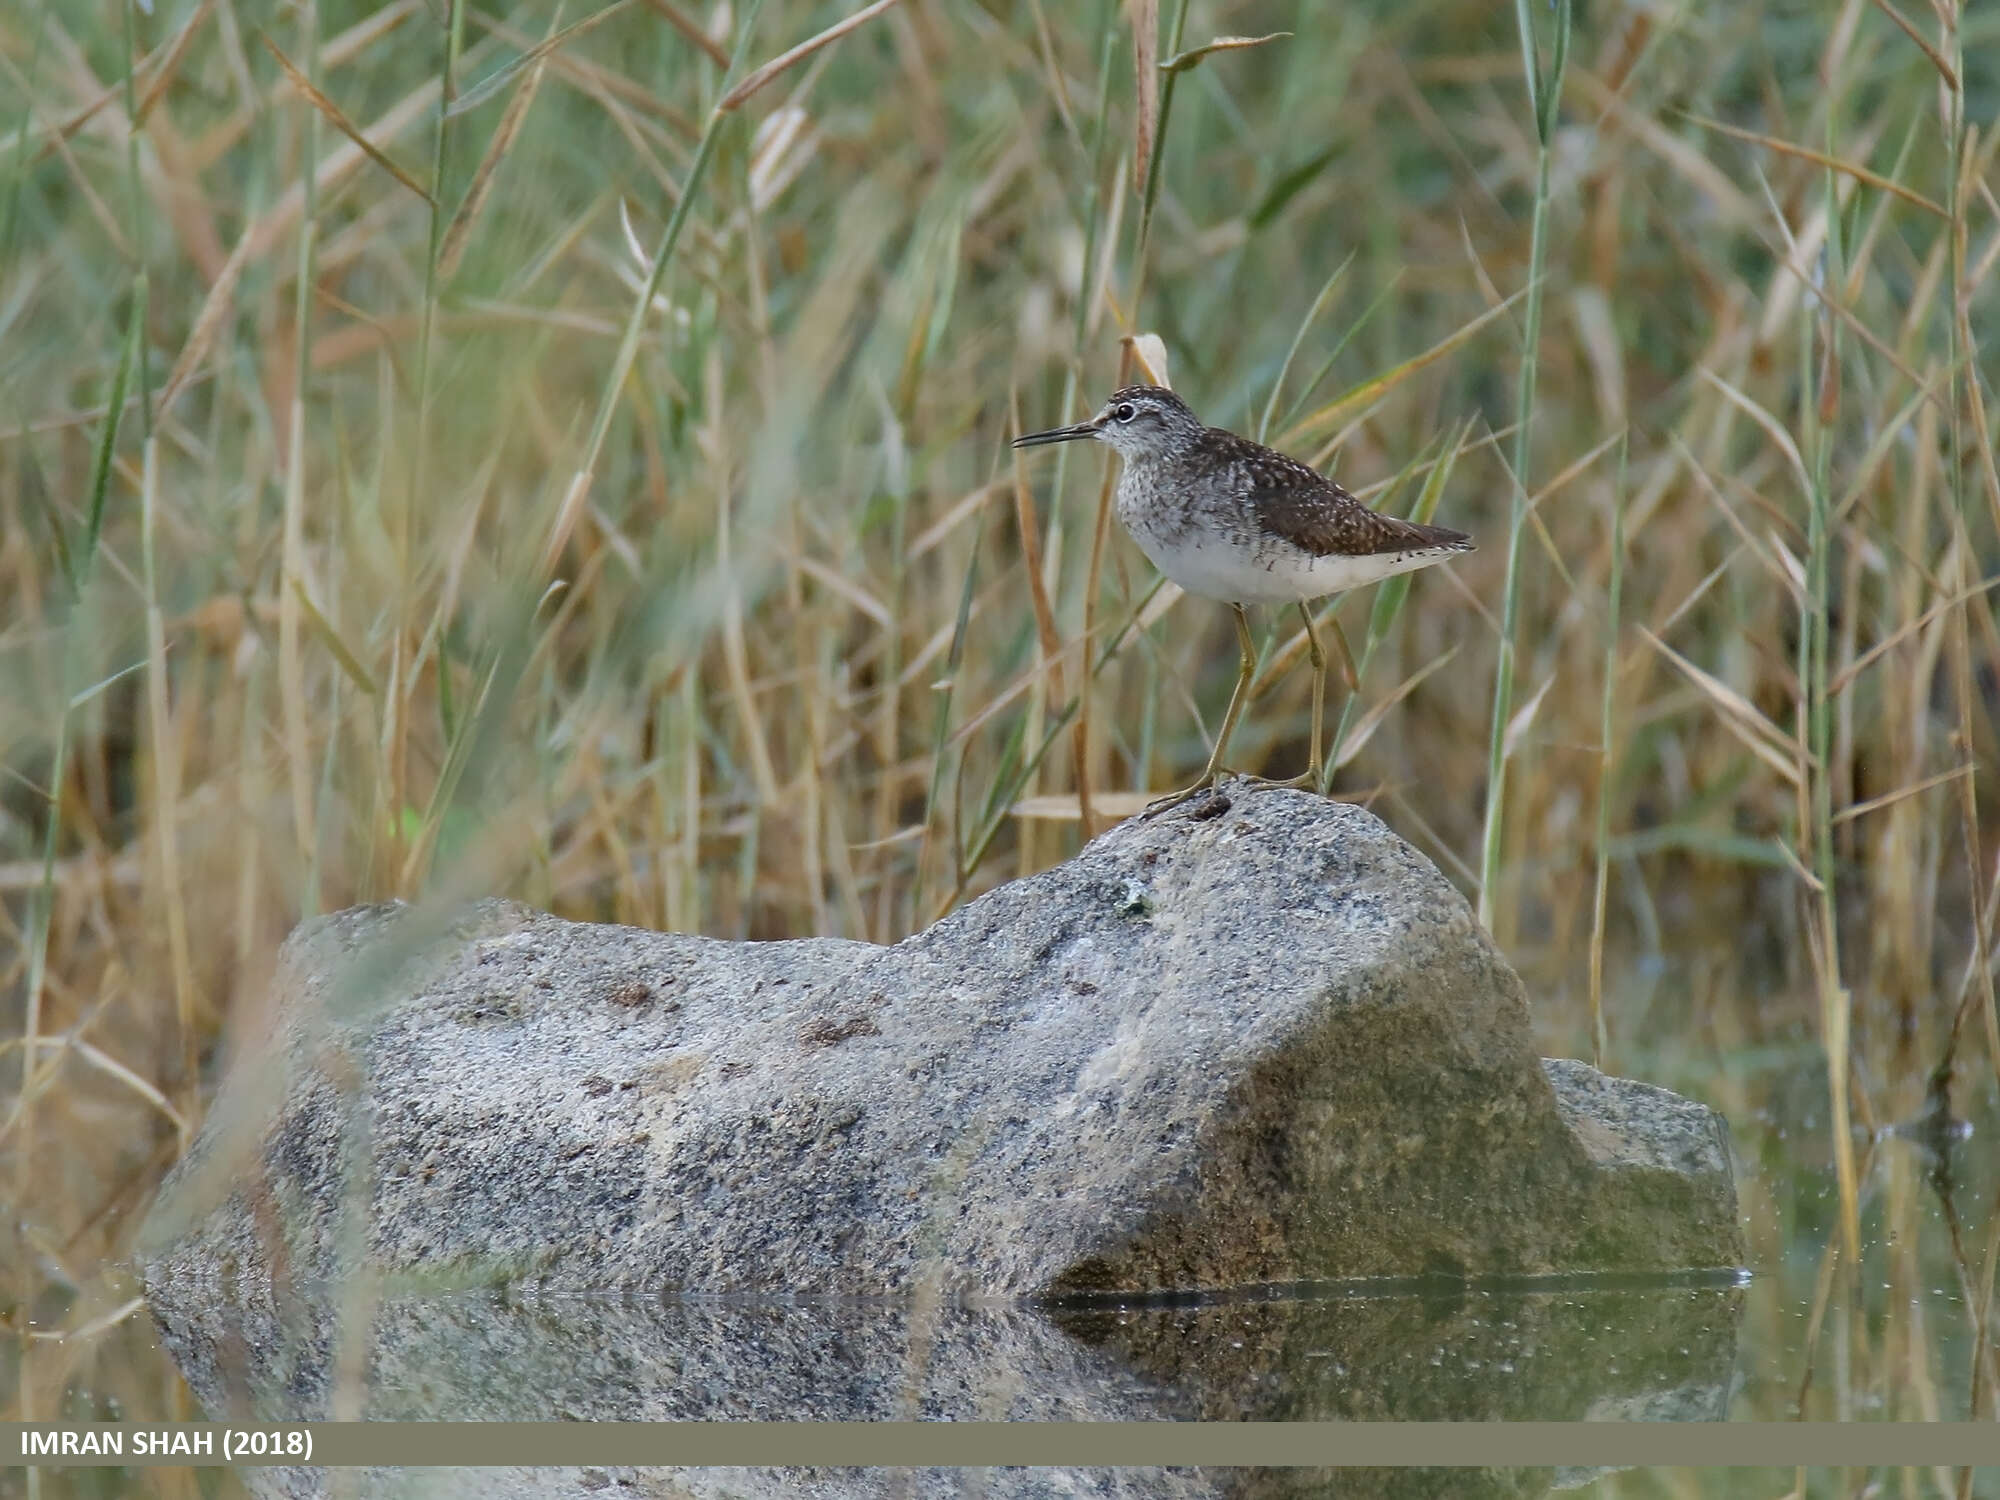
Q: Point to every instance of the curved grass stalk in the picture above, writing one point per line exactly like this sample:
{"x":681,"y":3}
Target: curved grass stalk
{"x":1544,"y":100}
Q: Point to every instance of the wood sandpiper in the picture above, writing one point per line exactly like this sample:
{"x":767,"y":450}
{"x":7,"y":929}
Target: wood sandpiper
{"x":1232,"y":520}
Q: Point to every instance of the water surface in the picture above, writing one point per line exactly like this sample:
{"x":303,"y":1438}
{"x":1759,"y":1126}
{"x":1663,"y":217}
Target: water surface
{"x":1798,"y":1333}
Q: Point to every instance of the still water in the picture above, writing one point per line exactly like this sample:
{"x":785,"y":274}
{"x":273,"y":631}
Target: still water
{"x":1795,"y":1334}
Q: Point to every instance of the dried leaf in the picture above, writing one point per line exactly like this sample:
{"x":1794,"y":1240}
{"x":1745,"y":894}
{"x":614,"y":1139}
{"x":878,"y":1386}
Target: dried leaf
{"x":799,"y":54}
{"x":330,"y":638}
{"x":1150,"y":350}
{"x":1944,"y":68}
{"x":636,"y":280}
{"x":1739,"y":715}
{"x":1145,"y":49}
{"x":1181,"y":62}
{"x":685,"y":24}
{"x":169,"y":68}
{"x":1773,"y":428}
{"x":1370,"y":390}
{"x":1889,"y":799}
{"x":782,"y":148}
{"x":104,"y":1062}
{"x":344,"y":125}
{"x":1369,"y":722}
{"x":215,"y":309}
{"x":952,"y":519}
{"x":839,"y":583}
{"x":460,"y":229}
{"x":1164,"y":598}
{"x":499,"y":78}
{"x":1833,"y":163}
{"x":1524,"y":719}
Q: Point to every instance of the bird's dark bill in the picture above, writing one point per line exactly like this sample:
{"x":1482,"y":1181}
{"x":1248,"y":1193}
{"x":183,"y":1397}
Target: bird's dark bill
{"x":1055,"y":435}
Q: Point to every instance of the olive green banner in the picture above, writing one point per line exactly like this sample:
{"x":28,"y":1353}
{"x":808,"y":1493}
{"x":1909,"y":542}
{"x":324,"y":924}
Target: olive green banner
{"x":994,"y":1444}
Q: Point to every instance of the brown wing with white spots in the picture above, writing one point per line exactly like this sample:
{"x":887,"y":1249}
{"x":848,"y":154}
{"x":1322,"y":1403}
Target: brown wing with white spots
{"x":1310,"y":511}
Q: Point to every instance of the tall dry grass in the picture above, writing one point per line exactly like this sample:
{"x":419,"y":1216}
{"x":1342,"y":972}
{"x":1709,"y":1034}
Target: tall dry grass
{"x":562,"y":453}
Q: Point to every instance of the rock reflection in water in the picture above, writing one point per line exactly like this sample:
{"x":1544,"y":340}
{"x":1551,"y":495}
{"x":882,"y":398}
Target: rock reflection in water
{"x":1621,"y":1350}
{"x":1380,"y":1351}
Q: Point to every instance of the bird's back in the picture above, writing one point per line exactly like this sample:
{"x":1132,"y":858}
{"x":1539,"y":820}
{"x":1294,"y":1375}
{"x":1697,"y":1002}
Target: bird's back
{"x":1232,"y":519}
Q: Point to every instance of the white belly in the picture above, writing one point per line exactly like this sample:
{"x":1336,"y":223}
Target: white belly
{"x":1215,"y":567}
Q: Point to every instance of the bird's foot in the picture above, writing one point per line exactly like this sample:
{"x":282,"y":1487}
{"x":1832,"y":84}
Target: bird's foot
{"x":1308,"y":779}
{"x":1211,"y":784}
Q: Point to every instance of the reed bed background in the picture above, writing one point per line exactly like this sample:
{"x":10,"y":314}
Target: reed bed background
{"x":596,"y":490}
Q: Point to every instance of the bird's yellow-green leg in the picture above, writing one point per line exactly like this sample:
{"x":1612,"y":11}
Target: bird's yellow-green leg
{"x":1244,"y":672}
{"x":1310,"y":776}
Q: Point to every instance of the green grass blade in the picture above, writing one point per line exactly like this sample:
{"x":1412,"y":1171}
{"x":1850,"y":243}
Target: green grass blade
{"x":107,"y":439}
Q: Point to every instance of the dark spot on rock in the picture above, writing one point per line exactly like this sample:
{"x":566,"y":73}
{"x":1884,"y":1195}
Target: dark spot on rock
{"x":1214,"y":805}
{"x":1083,"y":986}
{"x":592,"y":1479}
{"x":596,"y":1087}
{"x":827,"y":1032}
{"x":629,"y":1083}
{"x":632,"y":992}
{"x":1134,"y":900}
{"x":734,"y":1069}
{"x":489,"y":1009}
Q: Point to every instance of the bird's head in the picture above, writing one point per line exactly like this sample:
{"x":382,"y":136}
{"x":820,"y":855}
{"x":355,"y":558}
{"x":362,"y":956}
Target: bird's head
{"x":1140,"y":421}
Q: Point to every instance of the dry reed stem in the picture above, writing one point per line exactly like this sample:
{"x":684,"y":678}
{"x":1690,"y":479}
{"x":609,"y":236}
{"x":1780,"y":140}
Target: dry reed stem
{"x":337,"y":117}
{"x":515,"y":116}
{"x":786,"y":61}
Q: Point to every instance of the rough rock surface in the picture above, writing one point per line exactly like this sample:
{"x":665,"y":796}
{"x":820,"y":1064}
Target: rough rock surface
{"x":1366,"y":1351}
{"x":1260,"y":1039}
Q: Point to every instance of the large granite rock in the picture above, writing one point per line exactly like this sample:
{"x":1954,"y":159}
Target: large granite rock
{"x":1257,"y":1040}
{"x":1361,"y":1351}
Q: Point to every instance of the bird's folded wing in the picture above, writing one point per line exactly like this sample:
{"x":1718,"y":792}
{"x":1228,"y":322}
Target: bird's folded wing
{"x":1325,"y":520}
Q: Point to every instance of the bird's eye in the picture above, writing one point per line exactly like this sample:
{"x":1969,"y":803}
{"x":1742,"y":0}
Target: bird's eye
{"x":1126,"y":412}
